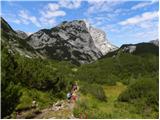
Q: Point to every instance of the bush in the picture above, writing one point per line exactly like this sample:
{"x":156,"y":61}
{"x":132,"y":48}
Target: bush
{"x":145,"y":90}
{"x":10,"y":93}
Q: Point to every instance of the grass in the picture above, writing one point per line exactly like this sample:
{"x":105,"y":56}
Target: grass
{"x":44,"y":99}
{"x":90,"y":107}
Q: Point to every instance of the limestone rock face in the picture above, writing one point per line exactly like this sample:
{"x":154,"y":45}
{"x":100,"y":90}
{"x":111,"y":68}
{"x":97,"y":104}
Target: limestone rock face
{"x":130,"y":49}
{"x":99,"y":38}
{"x":76,"y":41}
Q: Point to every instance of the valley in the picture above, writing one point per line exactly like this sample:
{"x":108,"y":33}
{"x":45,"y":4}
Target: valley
{"x":41,"y":68}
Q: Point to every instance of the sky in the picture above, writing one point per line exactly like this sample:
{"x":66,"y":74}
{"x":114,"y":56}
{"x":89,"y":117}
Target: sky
{"x":123,"y":21}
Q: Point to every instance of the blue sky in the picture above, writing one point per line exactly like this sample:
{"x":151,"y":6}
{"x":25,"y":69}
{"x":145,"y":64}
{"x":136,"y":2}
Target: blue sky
{"x":123,"y":21}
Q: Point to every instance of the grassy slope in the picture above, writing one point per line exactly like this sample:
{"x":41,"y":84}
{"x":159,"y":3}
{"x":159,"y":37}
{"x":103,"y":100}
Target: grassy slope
{"x":89,"y":107}
{"x":116,"y":109}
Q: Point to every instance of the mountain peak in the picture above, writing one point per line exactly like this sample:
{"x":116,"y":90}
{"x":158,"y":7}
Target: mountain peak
{"x":75,"y":40}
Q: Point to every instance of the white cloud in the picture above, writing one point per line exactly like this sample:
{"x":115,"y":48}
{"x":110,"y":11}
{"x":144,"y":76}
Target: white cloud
{"x":100,"y":11}
{"x":155,"y":1}
{"x":52,"y":10}
{"x":53,"y":6}
{"x":70,"y":4}
{"x":24,"y":14}
{"x":143,"y":4}
{"x":140,"y":5}
{"x":26,"y":18}
{"x":97,"y":6}
{"x":140,"y":18}
{"x":33,"y":19}
{"x":103,"y":11}
{"x":49,"y":14}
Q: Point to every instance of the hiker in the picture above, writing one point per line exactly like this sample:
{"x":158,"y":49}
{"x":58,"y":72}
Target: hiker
{"x":69,"y":96}
{"x":74,"y":97}
{"x":74,"y":87}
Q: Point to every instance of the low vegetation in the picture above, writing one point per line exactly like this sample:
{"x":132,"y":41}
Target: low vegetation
{"x":123,"y":86}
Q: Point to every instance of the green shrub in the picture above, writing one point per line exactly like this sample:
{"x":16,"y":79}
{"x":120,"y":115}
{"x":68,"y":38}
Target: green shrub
{"x":10,"y":93}
{"x":144,"y":93}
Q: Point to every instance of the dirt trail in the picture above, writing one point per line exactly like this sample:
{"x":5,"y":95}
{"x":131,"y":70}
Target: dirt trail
{"x":62,"y":109}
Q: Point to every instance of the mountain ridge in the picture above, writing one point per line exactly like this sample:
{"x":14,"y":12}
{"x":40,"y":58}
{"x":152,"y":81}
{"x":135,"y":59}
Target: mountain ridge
{"x":75,"y":41}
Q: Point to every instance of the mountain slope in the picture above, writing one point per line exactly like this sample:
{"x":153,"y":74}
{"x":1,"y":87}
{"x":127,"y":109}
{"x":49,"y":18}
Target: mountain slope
{"x":73,"y":41}
{"x":64,"y":43}
{"x":15,"y":44}
{"x":136,"y":49}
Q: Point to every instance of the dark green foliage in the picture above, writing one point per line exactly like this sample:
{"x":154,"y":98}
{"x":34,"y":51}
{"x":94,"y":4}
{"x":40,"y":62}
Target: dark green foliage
{"x":143,"y":92}
{"x":9,"y":98}
{"x":10,"y":90}
{"x":143,"y":87}
{"x":146,"y":48}
{"x":44,"y":75}
{"x":125,"y":68}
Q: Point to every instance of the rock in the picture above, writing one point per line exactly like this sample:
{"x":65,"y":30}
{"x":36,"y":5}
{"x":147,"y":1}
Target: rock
{"x":100,"y":41}
{"x":21,"y":34}
{"x":130,"y":49}
{"x":16,"y":41}
{"x":74,"y":41}
{"x":58,"y":106}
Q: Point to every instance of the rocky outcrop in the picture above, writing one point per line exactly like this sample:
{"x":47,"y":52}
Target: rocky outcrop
{"x":129,"y":49}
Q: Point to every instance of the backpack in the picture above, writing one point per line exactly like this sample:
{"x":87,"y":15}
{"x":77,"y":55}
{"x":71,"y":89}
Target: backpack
{"x":69,"y":95}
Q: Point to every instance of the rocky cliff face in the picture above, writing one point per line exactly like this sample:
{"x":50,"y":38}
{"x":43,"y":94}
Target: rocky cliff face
{"x":100,"y":41}
{"x":76,"y":41}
